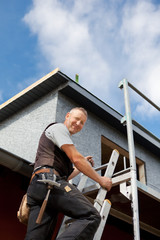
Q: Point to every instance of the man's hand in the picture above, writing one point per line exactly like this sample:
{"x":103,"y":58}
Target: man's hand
{"x":90,"y":160}
{"x":106,"y":183}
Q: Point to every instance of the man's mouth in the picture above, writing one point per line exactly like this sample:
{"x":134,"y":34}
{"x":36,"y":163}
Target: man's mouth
{"x":75,"y":128}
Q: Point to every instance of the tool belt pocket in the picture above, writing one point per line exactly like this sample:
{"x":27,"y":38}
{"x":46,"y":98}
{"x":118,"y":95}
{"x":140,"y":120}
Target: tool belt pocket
{"x":23,"y":212}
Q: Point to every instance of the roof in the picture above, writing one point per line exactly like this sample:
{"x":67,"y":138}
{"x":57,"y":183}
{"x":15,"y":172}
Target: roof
{"x":82,"y":97}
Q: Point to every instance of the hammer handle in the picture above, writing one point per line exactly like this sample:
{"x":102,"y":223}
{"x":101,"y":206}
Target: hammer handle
{"x":43,"y":207}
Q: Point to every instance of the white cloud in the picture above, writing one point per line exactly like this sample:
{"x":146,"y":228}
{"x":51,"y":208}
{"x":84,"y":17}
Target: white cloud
{"x":65,"y":38}
{"x":102,"y":41}
{"x":141,"y":35}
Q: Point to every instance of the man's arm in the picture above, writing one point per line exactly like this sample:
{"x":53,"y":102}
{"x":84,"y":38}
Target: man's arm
{"x":74,"y":173}
{"x":84,"y":166}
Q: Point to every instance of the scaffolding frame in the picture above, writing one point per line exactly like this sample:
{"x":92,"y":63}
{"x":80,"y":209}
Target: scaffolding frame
{"x":127,"y":120}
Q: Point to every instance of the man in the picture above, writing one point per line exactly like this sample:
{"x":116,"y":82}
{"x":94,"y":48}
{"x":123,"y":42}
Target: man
{"x":56,"y":154}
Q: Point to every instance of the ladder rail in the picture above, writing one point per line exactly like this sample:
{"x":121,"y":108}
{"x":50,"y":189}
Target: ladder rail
{"x":104,"y":215}
{"x":108,"y":173}
{"x":101,"y":204}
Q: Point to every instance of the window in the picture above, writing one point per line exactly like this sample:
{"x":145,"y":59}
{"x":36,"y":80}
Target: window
{"x":107,"y":147}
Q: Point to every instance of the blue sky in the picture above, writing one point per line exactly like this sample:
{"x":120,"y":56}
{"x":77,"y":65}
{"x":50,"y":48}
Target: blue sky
{"x":103,"y":41}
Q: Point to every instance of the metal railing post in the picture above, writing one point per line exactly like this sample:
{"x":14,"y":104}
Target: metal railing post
{"x":134,"y":198}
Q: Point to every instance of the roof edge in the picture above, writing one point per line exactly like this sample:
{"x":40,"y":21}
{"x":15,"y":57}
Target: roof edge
{"x":15,"y":163}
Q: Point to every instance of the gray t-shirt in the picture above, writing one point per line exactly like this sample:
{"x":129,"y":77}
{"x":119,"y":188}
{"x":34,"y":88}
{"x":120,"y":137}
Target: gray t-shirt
{"x":58,"y":133}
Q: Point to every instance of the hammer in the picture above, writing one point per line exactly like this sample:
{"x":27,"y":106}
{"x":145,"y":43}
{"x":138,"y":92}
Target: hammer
{"x":50,"y":183}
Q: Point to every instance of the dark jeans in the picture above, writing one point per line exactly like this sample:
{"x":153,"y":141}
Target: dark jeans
{"x":70,"y":202}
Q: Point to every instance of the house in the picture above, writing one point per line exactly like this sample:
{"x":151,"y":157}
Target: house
{"x":24,"y":117}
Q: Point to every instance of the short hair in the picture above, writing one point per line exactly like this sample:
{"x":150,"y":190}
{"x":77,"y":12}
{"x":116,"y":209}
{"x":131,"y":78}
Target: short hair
{"x":81,"y":109}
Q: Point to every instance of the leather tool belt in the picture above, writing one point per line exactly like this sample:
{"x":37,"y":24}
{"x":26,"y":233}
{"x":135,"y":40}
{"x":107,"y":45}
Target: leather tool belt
{"x":44,"y":170}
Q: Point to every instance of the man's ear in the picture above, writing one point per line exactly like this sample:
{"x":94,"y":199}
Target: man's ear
{"x":67,"y":115}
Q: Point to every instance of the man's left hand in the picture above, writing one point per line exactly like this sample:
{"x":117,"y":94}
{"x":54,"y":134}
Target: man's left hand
{"x":90,"y":160}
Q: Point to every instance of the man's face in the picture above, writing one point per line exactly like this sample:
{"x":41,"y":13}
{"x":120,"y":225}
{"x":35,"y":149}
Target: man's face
{"x":75,"y":121}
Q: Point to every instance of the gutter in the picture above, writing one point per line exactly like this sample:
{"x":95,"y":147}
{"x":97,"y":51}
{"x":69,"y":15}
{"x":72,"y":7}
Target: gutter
{"x":15,"y":163}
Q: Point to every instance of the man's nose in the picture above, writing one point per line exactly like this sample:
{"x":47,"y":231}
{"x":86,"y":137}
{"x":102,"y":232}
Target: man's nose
{"x":78,"y":123}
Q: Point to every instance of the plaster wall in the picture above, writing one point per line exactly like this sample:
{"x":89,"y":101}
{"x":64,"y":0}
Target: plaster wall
{"x":20,"y":133}
{"x":152,"y":167}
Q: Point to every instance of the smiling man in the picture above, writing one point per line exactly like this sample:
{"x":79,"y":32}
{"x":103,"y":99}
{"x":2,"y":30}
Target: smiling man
{"x":75,"y":120}
{"x":56,"y":155}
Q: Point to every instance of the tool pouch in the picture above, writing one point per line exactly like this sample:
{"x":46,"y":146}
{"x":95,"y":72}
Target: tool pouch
{"x":23,"y":212}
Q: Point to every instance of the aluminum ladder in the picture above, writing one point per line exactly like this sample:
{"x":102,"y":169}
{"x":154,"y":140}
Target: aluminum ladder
{"x":100,"y":203}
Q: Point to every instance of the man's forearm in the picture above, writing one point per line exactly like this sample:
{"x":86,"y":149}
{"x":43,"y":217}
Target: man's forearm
{"x":74,"y":174}
{"x":84,"y":166}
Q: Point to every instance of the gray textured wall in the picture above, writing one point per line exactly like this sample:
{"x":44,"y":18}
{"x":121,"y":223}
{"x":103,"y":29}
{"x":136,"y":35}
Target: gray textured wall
{"x":20,"y":133}
{"x":152,"y":167}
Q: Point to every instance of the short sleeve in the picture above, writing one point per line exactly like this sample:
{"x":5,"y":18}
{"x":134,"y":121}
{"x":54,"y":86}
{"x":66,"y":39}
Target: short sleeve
{"x":58,"y":134}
